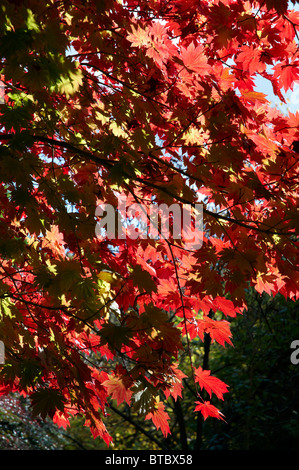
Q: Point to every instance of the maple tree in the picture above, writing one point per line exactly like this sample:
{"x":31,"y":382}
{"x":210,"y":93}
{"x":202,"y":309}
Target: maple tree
{"x":154,"y":100}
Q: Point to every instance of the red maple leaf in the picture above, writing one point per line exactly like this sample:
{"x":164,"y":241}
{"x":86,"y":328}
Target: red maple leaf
{"x":60,"y":419}
{"x":98,"y":429}
{"x":194,"y":58}
{"x":250,"y":60}
{"x":176,"y":389}
{"x":210,"y":383}
{"x":219,"y":330}
{"x":159,"y":417}
{"x":160,"y":102}
{"x":226,"y":306}
{"x":207,"y":409}
{"x":287,"y":74}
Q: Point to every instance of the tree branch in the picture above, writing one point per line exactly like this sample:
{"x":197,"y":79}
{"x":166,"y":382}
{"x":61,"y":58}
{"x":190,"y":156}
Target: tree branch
{"x":109,"y":164}
{"x":138,"y":427}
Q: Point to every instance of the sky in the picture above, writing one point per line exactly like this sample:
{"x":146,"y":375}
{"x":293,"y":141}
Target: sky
{"x":292,"y":97}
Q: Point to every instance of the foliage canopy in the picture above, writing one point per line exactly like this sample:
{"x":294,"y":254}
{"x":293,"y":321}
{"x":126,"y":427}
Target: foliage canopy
{"x":155,"y":101}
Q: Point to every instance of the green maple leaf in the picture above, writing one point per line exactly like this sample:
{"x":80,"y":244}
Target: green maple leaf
{"x":115,"y":336}
{"x":143,"y":396}
{"x":31,"y":371}
{"x":13,"y":41}
{"x":46,"y":401}
{"x":153,"y":316}
{"x":69,"y":275}
{"x":143,"y":280}
{"x":17,"y":117}
{"x":69,"y":82}
{"x":84,"y":289}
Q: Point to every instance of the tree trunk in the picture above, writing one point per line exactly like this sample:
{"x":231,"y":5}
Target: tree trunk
{"x":180,"y":417}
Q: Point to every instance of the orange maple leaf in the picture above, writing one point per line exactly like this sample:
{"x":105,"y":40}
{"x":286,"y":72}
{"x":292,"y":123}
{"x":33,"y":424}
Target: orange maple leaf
{"x":194,"y":58}
{"x":117,"y":389}
{"x":54,"y":240}
{"x":138,"y":37}
{"x":159,"y":417}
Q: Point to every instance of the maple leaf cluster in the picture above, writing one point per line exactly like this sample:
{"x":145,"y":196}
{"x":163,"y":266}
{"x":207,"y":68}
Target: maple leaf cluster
{"x":155,"y":101}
